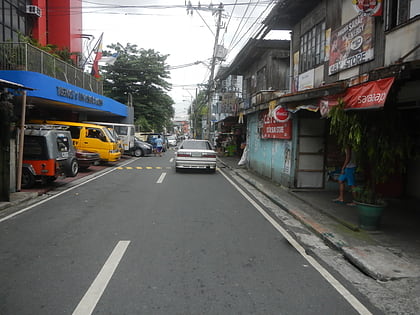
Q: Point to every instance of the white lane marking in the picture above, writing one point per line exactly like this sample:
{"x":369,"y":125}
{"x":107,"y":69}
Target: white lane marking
{"x":97,"y":288}
{"x":60,"y":193}
{"x":353,"y":301}
{"x":171,"y":160}
{"x":161,"y":178}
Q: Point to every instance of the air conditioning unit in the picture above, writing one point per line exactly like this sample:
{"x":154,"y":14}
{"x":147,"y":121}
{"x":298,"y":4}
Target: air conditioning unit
{"x":33,"y":10}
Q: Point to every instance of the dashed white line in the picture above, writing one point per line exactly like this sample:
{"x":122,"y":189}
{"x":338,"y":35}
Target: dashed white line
{"x":97,"y":288}
{"x":161,"y":178}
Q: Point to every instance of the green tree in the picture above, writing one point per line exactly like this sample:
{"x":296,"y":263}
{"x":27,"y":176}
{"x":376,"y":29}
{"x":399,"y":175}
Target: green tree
{"x":143,"y":74}
{"x":199,"y":112}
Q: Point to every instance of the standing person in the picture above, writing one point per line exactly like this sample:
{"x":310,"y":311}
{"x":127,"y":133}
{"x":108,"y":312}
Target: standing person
{"x":159,"y":145}
{"x":347,"y":174}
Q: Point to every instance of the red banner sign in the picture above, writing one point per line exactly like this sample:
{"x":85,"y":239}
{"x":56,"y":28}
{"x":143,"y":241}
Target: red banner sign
{"x":368,"y":95}
{"x":271,"y":129}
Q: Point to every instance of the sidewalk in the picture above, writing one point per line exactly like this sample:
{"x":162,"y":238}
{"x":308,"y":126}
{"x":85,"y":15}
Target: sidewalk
{"x":393,"y":252}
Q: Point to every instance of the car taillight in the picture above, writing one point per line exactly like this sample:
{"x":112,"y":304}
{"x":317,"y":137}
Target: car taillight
{"x":183,"y":154}
{"x":209,"y":155}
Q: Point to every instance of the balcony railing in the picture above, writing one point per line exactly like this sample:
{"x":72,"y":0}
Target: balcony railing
{"x":23,"y":56}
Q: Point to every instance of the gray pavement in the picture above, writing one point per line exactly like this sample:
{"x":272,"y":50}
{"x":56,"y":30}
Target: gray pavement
{"x":390,"y":253}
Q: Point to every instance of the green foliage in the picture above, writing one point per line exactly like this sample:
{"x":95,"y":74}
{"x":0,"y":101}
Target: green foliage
{"x":365,"y":194}
{"x":63,"y":54}
{"x":199,"y":112}
{"x":379,"y":139}
{"x":143,"y":74}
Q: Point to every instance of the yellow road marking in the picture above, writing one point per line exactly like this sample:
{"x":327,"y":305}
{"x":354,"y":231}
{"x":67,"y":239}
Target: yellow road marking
{"x":142,"y":168}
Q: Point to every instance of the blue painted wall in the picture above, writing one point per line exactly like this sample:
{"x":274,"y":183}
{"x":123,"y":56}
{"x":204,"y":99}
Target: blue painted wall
{"x":49,"y":88}
{"x":272,"y":158}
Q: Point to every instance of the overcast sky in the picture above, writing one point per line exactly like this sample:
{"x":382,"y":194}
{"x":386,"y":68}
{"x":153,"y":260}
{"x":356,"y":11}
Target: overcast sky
{"x":163,"y":25}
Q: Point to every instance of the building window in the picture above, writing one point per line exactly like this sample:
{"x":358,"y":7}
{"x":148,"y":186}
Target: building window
{"x":12,"y":20}
{"x":312,"y":47}
{"x":400,"y":11}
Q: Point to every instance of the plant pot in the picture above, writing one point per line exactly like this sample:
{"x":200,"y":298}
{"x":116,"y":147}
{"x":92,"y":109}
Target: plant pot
{"x":369,"y":215}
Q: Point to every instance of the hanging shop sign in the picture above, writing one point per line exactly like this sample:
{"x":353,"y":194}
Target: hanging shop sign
{"x":352,"y":44}
{"x":272,"y":129}
{"x":368,"y":7}
{"x":368,"y":95}
{"x":281,"y":114}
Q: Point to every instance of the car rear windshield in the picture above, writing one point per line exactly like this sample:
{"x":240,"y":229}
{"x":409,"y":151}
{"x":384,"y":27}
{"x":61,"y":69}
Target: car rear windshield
{"x":200,"y":145}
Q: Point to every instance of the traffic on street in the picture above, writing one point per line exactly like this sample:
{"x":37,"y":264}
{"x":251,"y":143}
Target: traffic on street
{"x":140,"y":238}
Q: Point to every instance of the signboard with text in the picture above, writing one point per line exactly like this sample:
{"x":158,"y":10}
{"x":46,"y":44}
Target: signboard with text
{"x":368,"y":95}
{"x":352,"y":44}
{"x":272,"y":129}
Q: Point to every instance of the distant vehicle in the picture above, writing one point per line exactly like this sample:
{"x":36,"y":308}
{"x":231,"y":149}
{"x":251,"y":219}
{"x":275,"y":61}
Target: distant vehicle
{"x":172,"y":141}
{"x":48,"y":153}
{"x":87,"y":158}
{"x":124,"y":133}
{"x":90,"y":137}
{"x":195,"y":154}
{"x":141,"y":148}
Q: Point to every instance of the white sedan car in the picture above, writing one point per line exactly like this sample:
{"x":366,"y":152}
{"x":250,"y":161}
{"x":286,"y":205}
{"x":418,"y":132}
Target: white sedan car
{"x":195,"y":154}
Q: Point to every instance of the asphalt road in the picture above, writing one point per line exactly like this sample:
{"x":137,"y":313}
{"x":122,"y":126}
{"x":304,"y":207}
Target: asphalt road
{"x":142,"y":239}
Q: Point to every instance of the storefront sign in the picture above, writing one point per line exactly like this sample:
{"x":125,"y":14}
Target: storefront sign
{"x":281,"y":114}
{"x":352,"y":44}
{"x":74,"y":95}
{"x":368,"y":95}
{"x":368,"y":7}
{"x":306,"y":80}
{"x":271,"y":129}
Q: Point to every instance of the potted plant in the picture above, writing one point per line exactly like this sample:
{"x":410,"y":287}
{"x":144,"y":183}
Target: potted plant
{"x":370,"y":206}
{"x":381,"y":145}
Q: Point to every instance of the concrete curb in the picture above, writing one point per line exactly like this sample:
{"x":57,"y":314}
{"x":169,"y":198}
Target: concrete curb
{"x":17,"y":199}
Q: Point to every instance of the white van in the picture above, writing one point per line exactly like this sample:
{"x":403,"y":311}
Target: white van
{"x":125,"y":133}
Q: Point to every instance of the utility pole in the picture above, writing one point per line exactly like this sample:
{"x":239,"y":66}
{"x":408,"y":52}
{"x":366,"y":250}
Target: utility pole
{"x":213,"y":65}
{"x":210,"y":88}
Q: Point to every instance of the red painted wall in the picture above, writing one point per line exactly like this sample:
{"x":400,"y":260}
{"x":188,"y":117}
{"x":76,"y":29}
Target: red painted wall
{"x":39,"y":30}
{"x":60,"y":24}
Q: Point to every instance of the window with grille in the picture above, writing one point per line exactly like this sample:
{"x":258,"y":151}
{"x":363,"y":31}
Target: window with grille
{"x":312,"y":47}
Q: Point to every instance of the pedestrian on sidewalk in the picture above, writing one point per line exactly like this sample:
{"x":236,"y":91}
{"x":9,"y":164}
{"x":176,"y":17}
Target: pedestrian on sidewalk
{"x":348,"y":171}
{"x":159,"y":145}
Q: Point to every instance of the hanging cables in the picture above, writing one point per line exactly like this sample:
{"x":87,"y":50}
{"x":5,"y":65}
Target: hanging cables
{"x":257,"y":31}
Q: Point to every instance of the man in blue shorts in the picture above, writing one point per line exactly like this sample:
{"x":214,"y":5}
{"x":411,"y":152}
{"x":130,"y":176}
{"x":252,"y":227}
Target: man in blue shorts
{"x":347,"y":175}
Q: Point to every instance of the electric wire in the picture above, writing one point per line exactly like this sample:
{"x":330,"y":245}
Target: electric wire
{"x":239,"y":26}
